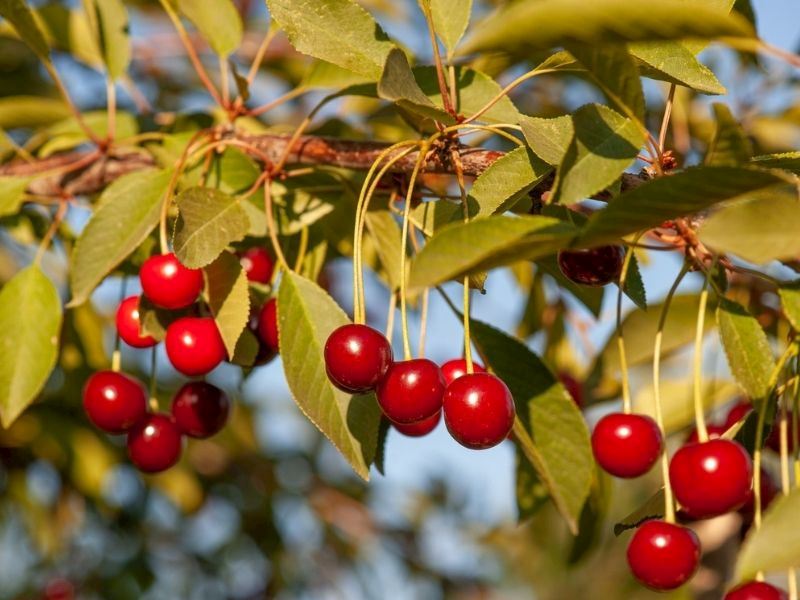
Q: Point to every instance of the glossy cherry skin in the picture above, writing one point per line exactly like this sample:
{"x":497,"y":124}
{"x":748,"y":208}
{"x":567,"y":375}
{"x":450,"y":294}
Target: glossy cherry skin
{"x":594,"y":267}
{"x":626,"y":445}
{"x":573,"y":386}
{"x":711,"y":478}
{"x":268,"y":325}
{"x":200,"y":409}
{"x":420,"y":428}
{"x":478,"y":410}
{"x":411,"y":391}
{"x":663,"y":556}
{"x":128,"y":324}
{"x":194,"y":345}
{"x":756,"y":590}
{"x":114,"y":402}
{"x":154,"y":444}
{"x":357,"y":357}
{"x":168,"y":284}
{"x":453,"y":369}
{"x":714,"y":433}
{"x":257,"y":264}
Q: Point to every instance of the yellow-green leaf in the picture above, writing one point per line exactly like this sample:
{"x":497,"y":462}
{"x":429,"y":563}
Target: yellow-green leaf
{"x":228,"y":298}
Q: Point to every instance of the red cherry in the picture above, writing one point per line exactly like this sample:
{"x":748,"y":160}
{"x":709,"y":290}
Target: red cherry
{"x":453,"y":369}
{"x":769,"y":490}
{"x":711,"y":478}
{"x":265,"y":354}
{"x":59,"y":589}
{"x":168,"y":284}
{"x":128,"y":324}
{"x":268,"y":325}
{"x":411,"y":390}
{"x":573,"y":386}
{"x":200,"y":409}
{"x":357,"y":357}
{"x":194,"y":345}
{"x":714,"y":433}
{"x":478,"y":410}
{"x":419,"y":428}
{"x":154,"y":444}
{"x":737,"y":413}
{"x":774,"y":438}
{"x":663,"y":556}
{"x":756,"y":590}
{"x":595,"y":267}
{"x":626,"y":445}
{"x":114,"y":402}
{"x":257,"y":264}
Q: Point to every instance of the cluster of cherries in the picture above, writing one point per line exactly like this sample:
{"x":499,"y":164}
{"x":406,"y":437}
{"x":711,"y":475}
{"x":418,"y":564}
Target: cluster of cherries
{"x":117,"y":403}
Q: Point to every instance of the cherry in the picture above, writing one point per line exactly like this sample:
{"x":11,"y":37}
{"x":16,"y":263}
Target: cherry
{"x":663,"y":556}
{"x":114,"y":402}
{"x":774,"y":438}
{"x":626,"y":445}
{"x":573,"y":386}
{"x":257,"y":264}
{"x":357,"y":357}
{"x":154,"y":444}
{"x":411,"y":390}
{"x":478,"y":410}
{"x":737,"y":413}
{"x":194,"y":345}
{"x":128,"y":325}
{"x":756,"y":590}
{"x":268,"y":325}
{"x":595,"y":266}
{"x":59,"y":589}
{"x":769,"y":490}
{"x":200,"y":409}
{"x":714,"y":433}
{"x":168,"y":284}
{"x":711,"y":478}
{"x":265,"y":353}
{"x":453,"y":369}
{"x":419,"y":428}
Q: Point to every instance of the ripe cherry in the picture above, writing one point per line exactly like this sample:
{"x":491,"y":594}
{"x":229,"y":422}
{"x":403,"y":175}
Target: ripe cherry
{"x":573,"y":386}
{"x":769,"y":490}
{"x":737,"y":413}
{"x":194,"y":345}
{"x":626,"y":445}
{"x":114,"y":402}
{"x":453,"y":369}
{"x":714,"y":433}
{"x":411,"y":390}
{"x":200,"y":409}
{"x":357,"y":357}
{"x":154,"y":444}
{"x":128,"y":325}
{"x":711,"y":478}
{"x":595,"y":266}
{"x":257,"y":264}
{"x":756,"y":590}
{"x":265,"y":353}
{"x":478,"y":410}
{"x":663,"y":556}
{"x":268,"y":325}
{"x":168,"y":284}
{"x":419,"y":428}
{"x":774,"y":438}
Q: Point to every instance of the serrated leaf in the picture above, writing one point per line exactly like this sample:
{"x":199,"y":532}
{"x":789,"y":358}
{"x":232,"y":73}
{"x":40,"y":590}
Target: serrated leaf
{"x":112,"y":34}
{"x":30,"y":323}
{"x":12,"y":192}
{"x":387,"y":238}
{"x":22,"y":20}
{"x":349,"y":422}
{"x":218,"y":21}
{"x":246,"y":351}
{"x":614,"y":71}
{"x":548,"y":138}
{"x":730,"y":146}
{"x":30,"y":111}
{"x":450,"y":19}
{"x":128,"y":211}
{"x":505,"y":182}
{"x":228,"y":298}
{"x":675,"y":63}
{"x":398,"y":85}
{"x":634,"y":285}
{"x":790,"y":301}
{"x":746,"y":347}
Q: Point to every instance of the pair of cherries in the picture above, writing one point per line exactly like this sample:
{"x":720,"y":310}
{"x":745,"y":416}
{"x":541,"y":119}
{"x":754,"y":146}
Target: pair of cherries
{"x":478,"y":407}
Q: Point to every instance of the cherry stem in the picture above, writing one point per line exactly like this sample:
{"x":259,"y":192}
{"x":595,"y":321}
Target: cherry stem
{"x":623,"y":359}
{"x":111,"y":97}
{"x":699,"y":417}
{"x":123,"y":288}
{"x":302,"y":250}
{"x":423,"y":322}
{"x":437,"y":59}
{"x":273,"y":234}
{"x":459,"y":169}
{"x":662,"y":136}
{"x":78,"y":116}
{"x":51,"y":231}
{"x":153,"y":380}
{"x":390,"y":316}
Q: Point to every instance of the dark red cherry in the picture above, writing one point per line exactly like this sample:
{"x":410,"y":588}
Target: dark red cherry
{"x":357,"y":357}
{"x":626,"y":445}
{"x":168,"y":284}
{"x":257,"y":264}
{"x":114,"y":402}
{"x":714,"y":433}
{"x":411,"y":390}
{"x":756,"y":590}
{"x":478,"y":410}
{"x":268,"y":325}
{"x":154,"y":444}
{"x":595,"y":267}
{"x":265,"y":354}
{"x":59,"y":589}
{"x":128,"y":325}
{"x":774,"y":439}
{"x":737,"y":413}
{"x":711,"y":478}
{"x":419,"y":428}
{"x":200,"y":409}
{"x":663,"y":556}
{"x":769,"y":490}
{"x":453,"y":369}
{"x":194,"y":345}
{"x":573,"y":386}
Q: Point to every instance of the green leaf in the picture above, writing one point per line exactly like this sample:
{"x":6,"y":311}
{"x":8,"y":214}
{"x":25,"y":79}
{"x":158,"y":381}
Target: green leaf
{"x":461,"y":249}
{"x":604,"y":144}
{"x":208,"y":222}
{"x":677,"y":400}
{"x":22,"y":20}
{"x":790,"y":300}
{"x":788,"y":161}
{"x":337,"y":31}
{"x":675,"y":63}
{"x":730,"y":147}
{"x":246,"y":350}
{"x":634,"y":285}
{"x":228,"y":298}
{"x":747,"y":348}
{"x":127,"y":212}
{"x":531,"y":492}
{"x":112,"y":34}
{"x":349,"y":422}
{"x":775,"y":546}
{"x":218,"y":21}
{"x":652,"y":509}
{"x":387,"y":237}
{"x":30,"y":111}
{"x":30,"y":322}
{"x":548,"y":138}
{"x":398,"y":85}
{"x":614,"y":71}
{"x":450,"y":19}
{"x":12,"y":192}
